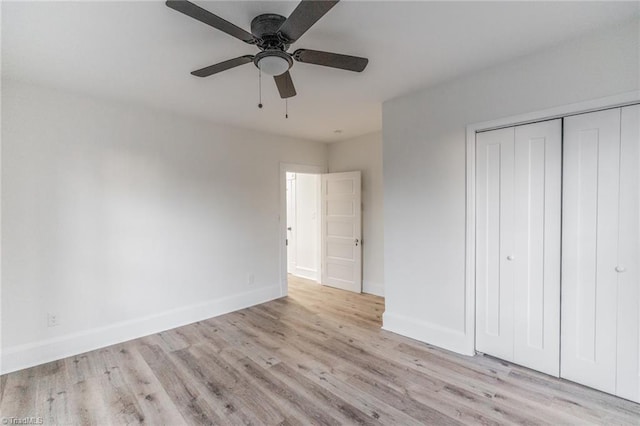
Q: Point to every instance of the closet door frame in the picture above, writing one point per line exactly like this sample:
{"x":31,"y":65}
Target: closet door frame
{"x":467,"y":344}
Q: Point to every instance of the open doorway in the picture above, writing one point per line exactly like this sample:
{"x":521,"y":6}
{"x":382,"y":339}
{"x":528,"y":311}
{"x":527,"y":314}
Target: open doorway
{"x":321,"y":227}
{"x":289,"y":238}
{"x":303,"y":225}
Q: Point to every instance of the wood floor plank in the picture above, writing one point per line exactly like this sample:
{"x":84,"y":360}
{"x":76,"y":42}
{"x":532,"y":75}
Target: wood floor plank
{"x":52,"y":398}
{"x":81,"y":367}
{"x":404,"y":402}
{"x":244,"y":393}
{"x":19,"y":398}
{"x":290,"y":400}
{"x":124,"y":407}
{"x":156,"y":405}
{"x":87,"y":404}
{"x":317,"y":356}
{"x":335,"y":383}
{"x":186,"y":396}
{"x":341,"y":408}
{"x":3,"y":385}
{"x":220,"y":390}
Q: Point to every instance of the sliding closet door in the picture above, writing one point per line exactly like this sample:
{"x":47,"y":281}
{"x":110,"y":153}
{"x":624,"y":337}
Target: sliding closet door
{"x":518,"y":244}
{"x":538,"y":178}
{"x":628,"y":314}
{"x":494,"y":242}
{"x":590,"y":248}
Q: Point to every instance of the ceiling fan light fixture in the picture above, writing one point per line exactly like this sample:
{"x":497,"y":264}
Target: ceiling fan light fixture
{"x":273,"y":34}
{"x":273,"y":65}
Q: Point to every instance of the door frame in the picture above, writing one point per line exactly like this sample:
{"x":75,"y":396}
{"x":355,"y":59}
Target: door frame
{"x":291,"y":213}
{"x":282,"y":218}
{"x":620,"y":100}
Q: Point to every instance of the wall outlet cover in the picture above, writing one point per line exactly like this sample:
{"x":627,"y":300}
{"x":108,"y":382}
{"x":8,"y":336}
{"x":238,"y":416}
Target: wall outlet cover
{"x":52,"y":320}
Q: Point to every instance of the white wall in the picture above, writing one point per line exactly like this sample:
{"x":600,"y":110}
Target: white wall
{"x":424,"y":169}
{"x":307,"y":226}
{"x":365,"y":154}
{"x":125,"y":221}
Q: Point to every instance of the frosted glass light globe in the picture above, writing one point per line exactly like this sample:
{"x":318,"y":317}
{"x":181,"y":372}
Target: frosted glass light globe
{"x":273,"y":65}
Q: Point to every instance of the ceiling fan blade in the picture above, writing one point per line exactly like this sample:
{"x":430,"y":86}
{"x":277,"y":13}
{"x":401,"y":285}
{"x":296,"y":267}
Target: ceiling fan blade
{"x":222,"y":66}
{"x":285,"y":85}
{"x":202,"y":15}
{"x":333,"y":60}
{"x":307,"y":13}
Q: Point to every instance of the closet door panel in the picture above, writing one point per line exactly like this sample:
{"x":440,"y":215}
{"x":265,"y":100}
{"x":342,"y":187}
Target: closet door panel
{"x":628,"y":353}
{"x":589,"y":248}
{"x":538,"y":154}
{"x":494,"y":242}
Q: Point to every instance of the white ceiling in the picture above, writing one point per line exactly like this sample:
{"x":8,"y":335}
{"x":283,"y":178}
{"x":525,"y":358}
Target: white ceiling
{"x":142,"y":52}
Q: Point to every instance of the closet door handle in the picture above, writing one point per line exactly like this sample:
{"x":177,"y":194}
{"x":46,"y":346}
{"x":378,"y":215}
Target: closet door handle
{"x":620,"y":269}
{"x":510,"y":257}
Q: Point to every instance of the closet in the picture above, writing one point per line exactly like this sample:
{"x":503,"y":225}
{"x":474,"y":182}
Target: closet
{"x":557,"y":236}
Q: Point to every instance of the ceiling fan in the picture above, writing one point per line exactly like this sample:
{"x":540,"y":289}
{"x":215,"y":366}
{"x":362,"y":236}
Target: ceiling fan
{"x":273,"y":34}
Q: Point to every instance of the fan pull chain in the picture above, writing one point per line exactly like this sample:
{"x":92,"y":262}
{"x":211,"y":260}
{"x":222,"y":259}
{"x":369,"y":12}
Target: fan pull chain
{"x":259,"y":88}
{"x":286,"y":108}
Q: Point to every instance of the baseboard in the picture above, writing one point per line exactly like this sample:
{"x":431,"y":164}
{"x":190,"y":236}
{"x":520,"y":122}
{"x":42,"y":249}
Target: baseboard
{"x":433,"y":334}
{"x":308,"y":273}
{"x":373,"y":288}
{"x":32,"y":354}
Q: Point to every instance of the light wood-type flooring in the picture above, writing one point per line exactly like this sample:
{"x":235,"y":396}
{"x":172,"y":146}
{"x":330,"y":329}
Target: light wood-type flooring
{"x":317,"y":356}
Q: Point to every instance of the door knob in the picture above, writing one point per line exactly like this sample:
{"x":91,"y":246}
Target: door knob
{"x":510,"y":257}
{"x":289,"y":228}
{"x":620,"y":269}
{"x":357,"y":242}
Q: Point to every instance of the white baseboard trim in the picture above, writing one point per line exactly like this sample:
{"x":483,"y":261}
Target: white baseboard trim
{"x":433,"y":334}
{"x":308,"y":273}
{"x":373,"y":288}
{"x":28,"y":355}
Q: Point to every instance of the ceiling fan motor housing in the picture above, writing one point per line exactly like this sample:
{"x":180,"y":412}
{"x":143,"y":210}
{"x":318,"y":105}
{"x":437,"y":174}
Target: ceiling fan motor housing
{"x":265,"y":28}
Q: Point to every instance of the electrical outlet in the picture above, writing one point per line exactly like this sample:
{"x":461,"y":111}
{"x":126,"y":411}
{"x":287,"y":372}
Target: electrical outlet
{"x":250,"y":279}
{"x":52,"y":320}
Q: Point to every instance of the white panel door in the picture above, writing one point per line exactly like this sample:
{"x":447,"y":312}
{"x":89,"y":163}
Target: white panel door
{"x":494,"y":242}
{"x":341,"y":231}
{"x":590,"y":248}
{"x":518,"y":244}
{"x":537,"y":210}
{"x":628,"y":315}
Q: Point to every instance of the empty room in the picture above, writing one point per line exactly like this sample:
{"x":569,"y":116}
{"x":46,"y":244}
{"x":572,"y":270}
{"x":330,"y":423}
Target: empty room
{"x":319,"y":212}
